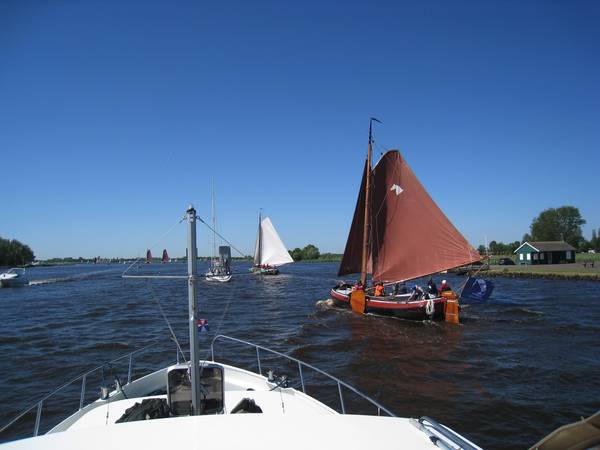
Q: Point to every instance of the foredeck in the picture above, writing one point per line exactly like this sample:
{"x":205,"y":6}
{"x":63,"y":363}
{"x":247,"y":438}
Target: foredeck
{"x":289,"y":417}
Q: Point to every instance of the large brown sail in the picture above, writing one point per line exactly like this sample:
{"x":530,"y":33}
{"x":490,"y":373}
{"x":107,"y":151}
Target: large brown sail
{"x":410,"y":236}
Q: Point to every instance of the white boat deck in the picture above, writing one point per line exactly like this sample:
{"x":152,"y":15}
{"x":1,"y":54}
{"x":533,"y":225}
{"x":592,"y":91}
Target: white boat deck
{"x":290,"y":419}
{"x":242,"y":431}
{"x":239,"y":384}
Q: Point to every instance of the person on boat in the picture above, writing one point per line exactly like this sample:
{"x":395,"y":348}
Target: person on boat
{"x":432,"y":288}
{"x":358,"y":286}
{"x":417,"y":293}
{"x":445,"y":286}
{"x":379,"y":290}
{"x":400,"y":288}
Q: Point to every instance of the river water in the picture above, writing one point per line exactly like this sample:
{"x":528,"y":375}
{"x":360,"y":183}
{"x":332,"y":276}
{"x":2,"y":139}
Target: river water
{"x":518,"y":366}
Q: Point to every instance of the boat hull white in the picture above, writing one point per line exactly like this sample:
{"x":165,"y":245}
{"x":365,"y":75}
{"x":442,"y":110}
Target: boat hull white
{"x":220,"y":278}
{"x":13,"y":278}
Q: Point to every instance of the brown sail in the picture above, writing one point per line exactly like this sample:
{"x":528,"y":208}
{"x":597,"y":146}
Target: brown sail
{"x":409,"y":235}
{"x":351,"y":260}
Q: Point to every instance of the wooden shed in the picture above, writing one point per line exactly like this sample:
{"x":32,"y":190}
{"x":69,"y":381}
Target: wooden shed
{"x":549,"y":252}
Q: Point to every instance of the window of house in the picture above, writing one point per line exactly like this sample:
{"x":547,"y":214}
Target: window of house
{"x":528,"y":256}
{"x":521,"y":256}
{"x":568,"y":254}
{"x":541,"y":256}
{"x":535,"y":256}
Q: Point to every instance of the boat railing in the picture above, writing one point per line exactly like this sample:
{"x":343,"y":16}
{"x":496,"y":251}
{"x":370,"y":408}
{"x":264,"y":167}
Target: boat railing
{"x":80,"y":378}
{"x":302,"y":365}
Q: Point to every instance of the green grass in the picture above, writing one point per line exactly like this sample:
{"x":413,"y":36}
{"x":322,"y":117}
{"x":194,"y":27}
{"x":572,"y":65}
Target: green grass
{"x":586,"y":257}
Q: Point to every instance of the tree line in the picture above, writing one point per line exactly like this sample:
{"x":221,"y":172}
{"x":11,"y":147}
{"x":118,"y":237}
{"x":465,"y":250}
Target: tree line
{"x":552,"y":224}
{"x":14,"y":253}
{"x":311,"y":252}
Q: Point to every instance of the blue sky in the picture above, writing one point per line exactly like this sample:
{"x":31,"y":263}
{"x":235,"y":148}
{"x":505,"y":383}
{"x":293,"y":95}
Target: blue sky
{"x":114,"y":116}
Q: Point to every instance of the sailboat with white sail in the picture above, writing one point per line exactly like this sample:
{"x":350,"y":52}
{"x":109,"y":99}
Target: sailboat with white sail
{"x":270,"y":251}
{"x":398,"y":233}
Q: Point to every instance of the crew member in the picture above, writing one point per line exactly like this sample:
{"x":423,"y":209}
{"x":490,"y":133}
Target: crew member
{"x":445,"y":286}
{"x":358,"y":286}
{"x":432,"y":288}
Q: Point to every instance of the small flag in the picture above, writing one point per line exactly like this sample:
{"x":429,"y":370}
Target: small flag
{"x":203,"y":326}
{"x":477,"y":289}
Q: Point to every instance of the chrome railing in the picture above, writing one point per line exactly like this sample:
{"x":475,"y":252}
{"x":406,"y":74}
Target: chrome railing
{"x":302,"y":364}
{"x":83,"y":378}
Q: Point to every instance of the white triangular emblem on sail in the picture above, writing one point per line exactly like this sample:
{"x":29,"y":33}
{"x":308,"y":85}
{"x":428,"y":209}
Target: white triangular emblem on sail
{"x":397,"y":189}
{"x":273,"y":251}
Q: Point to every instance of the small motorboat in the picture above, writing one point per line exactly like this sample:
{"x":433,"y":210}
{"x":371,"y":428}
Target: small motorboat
{"x":14,"y":277}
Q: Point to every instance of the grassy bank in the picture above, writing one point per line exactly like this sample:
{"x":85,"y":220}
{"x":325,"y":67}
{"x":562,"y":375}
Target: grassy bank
{"x":553,"y":272}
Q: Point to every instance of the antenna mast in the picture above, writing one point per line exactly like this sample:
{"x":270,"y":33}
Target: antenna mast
{"x":192,"y":252}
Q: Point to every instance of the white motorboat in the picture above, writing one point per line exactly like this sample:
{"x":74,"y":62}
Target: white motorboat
{"x":14,"y":277}
{"x":207,"y":403}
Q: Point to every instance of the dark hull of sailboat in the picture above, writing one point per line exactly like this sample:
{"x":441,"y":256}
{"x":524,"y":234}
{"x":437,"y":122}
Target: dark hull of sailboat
{"x":414,"y":310}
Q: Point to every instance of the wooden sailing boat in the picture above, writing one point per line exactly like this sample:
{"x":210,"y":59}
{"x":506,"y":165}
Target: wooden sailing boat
{"x":148,"y":257}
{"x":165,"y":256}
{"x":270,"y":251}
{"x":398,"y":233}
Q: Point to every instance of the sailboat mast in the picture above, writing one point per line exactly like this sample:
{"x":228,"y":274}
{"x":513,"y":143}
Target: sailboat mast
{"x":192,"y":252}
{"x":259,"y":238}
{"x":214,"y":223}
{"x":367,"y":227}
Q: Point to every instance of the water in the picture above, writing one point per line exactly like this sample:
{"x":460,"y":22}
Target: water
{"x":516,"y":368}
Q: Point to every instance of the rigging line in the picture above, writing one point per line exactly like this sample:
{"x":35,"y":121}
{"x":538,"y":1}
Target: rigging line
{"x":166,"y":320}
{"x":153,"y":245}
{"x":214,"y":231}
{"x":221,"y":320}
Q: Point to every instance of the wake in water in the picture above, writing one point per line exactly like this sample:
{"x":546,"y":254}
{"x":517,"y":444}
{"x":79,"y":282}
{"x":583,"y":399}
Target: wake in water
{"x":78,"y":277}
{"x":325,"y":304}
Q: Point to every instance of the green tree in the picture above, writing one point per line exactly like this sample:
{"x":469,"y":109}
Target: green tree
{"x":296,"y":254}
{"x":558,"y":224}
{"x":526,"y":237}
{"x":481,"y":249}
{"x":512,"y":247}
{"x":310,"y":252}
{"x":595,"y":241}
{"x":14,"y":253}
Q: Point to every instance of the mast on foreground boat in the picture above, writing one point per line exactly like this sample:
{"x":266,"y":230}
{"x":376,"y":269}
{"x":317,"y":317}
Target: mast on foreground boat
{"x":193,"y":311}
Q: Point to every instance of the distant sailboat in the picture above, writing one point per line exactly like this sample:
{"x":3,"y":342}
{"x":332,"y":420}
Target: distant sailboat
{"x":270,"y":251}
{"x":398,"y":233}
{"x":165,"y":256}
{"x":220,"y":268}
{"x":148,"y":257}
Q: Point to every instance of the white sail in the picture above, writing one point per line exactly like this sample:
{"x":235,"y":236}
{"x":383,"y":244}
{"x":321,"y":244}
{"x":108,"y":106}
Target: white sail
{"x":272,"y":250}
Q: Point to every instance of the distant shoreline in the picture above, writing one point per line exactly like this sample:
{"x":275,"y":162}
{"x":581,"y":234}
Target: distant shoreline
{"x":572,"y":272}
